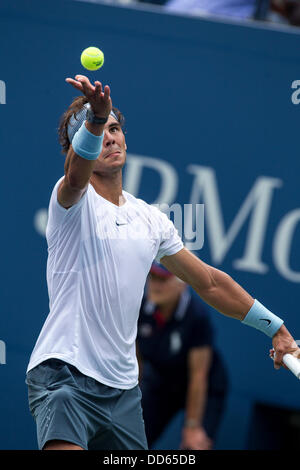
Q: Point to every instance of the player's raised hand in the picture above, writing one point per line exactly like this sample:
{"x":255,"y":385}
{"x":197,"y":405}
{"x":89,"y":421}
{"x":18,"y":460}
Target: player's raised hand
{"x":98,"y":98}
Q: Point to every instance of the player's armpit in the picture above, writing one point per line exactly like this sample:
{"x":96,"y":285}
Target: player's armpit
{"x":67,"y":195}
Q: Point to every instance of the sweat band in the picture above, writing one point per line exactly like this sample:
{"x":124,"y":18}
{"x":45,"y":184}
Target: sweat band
{"x":262,"y":319}
{"x":86,"y":144}
{"x":78,"y":119}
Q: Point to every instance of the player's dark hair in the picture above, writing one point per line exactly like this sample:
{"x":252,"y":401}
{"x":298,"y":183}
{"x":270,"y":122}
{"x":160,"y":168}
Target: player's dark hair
{"x":74,"y":108}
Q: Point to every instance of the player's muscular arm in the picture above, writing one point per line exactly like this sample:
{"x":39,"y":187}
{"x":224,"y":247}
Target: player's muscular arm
{"x":78,"y":170}
{"x":220,"y":291}
{"x":215,"y":287}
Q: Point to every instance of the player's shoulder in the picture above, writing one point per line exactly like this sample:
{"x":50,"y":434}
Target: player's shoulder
{"x":56,"y":207}
{"x":58,"y":183}
{"x":143,"y":205}
{"x":135,"y":200}
{"x":55,"y":188}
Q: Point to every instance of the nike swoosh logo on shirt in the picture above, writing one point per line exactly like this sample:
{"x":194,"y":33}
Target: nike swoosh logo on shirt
{"x":118,"y":224}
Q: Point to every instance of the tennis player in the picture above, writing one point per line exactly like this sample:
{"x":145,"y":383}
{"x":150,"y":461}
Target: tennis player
{"x":83,"y":373}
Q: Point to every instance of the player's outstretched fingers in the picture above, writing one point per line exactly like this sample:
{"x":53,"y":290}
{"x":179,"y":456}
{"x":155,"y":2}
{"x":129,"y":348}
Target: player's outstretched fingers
{"x":98,"y":88}
{"x":81,"y":83}
{"x":75,"y":84}
{"x":82,"y":78}
{"x":106,"y":92}
{"x":88,"y":88}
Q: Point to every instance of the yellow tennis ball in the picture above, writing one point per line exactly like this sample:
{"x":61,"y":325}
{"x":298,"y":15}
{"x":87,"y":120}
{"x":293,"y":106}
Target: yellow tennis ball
{"x":92,"y":58}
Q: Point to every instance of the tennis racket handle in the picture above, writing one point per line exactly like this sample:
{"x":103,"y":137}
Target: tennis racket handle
{"x":293,"y":364}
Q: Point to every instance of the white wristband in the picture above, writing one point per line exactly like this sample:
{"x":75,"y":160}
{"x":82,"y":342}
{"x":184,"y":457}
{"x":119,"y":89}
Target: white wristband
{"x":262,"y":319}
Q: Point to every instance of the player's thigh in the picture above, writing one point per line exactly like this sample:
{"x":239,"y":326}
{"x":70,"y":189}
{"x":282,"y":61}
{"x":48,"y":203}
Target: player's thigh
{"x":57,"y":406}
{"x":61,"y":445}
{"x":126,"y":430}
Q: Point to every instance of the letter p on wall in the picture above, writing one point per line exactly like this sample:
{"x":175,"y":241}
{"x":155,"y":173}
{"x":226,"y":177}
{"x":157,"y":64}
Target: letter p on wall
{"x":2,"y":352}
{"x":2,"y":92}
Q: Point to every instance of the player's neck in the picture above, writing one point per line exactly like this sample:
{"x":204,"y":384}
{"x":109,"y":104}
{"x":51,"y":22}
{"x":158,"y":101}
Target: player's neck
{"x":109,"y":187}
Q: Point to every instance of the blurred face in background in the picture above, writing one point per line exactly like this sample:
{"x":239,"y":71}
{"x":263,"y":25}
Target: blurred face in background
{"x":164,"y":290}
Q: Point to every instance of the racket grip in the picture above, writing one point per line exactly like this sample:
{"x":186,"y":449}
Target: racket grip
{"x":293,"y":364}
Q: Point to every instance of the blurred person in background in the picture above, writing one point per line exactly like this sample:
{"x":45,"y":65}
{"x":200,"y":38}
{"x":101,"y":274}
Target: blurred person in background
{"x":239,"y":9}
{"x":179,"y":365}
{"x":276,"y":11}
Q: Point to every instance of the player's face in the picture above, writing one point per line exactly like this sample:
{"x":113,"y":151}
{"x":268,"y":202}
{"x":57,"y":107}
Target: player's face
{"x":113,"y":154}
{"x":162,"y":291}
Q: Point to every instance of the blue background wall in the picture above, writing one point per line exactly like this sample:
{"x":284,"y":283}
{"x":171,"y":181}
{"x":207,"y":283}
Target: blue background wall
{"x":193,"y":91}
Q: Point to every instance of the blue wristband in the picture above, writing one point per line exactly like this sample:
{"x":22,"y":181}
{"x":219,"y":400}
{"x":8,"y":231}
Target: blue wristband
{"x":86,"y":144}
{"x":262,"y":319}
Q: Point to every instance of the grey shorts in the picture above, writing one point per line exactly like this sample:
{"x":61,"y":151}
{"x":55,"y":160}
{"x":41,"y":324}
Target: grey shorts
{"x":70,"y":406}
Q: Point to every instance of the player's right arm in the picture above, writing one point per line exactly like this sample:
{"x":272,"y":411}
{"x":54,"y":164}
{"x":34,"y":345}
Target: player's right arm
{"x":78,"y":170}
{"x":225,"y":295}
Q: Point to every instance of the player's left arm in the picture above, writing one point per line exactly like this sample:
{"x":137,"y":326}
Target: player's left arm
{"x":221,"y":292}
